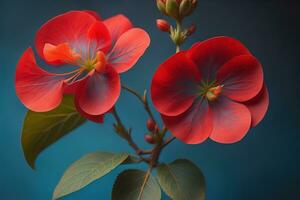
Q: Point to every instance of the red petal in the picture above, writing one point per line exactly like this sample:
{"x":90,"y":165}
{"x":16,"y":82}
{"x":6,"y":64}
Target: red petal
{"x":38,"y":90}
{"x":94,"y":14}
{"x":175,"y":85}
{"x":99,"y":36}
{"x":99,"y":92}
{"x":231,"y":121}
{"x":93,"y":118}
{"x":117,"y":25}
{"x":65,"y":28}
{"x":242,"y":78}
{"x":71,"y":88}
{"x":258,"y":106}
{"x":211,"y":54}
{"x":128,"y":49}
{"x":192,"y":127}
{"x":60,"y":53}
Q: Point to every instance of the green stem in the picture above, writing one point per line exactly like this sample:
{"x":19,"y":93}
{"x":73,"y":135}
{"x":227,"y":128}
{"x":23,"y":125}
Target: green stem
{"x":178,"y":33}
{"x":177,"y":48}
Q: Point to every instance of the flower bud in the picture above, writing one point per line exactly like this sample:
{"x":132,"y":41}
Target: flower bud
{"x":161,"y":5}
{"x":163,"y":25}
{"x":191,"y":30}
{"x":156,"y":129}
{"x":194,"y":4}
{"x":185,"y":8}
{"x":151,"y":125}
{"x":172,"y":8}
{"x":149,"y":139}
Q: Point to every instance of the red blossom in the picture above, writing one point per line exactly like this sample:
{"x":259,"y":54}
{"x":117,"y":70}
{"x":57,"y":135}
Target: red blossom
{"x":213,"y":90}
{"x":100,"y":51}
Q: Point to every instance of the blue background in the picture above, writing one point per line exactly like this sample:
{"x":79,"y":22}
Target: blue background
{"x":264,"y":165}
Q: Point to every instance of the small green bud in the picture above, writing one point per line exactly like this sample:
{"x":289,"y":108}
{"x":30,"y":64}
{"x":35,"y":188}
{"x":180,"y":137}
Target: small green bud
{"x":161,"y":6}
{"x":194,"y":6}
{"x":172,"y":8}
{"x":185,"y":8}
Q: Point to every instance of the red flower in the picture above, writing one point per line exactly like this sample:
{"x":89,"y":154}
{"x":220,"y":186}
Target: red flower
{"x":215,"y":90}
{"x":99,"y":50}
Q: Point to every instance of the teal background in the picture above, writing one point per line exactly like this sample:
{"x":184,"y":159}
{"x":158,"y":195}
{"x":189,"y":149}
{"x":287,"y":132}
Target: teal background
{"x":265,"y":165}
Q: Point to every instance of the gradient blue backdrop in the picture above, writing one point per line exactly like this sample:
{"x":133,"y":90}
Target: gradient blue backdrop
{"x":265,"y":165}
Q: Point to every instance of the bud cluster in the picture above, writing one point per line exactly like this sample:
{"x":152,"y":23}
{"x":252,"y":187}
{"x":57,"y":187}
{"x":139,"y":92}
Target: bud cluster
{"x":178,"y":9}
{"x":153,"y":135}
{"x":177,"y":35}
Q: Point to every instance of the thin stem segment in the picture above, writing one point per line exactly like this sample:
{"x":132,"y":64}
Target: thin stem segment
{"x":124,"y":133}
{"x":177,"y":48}
{"x":143,"y":99}
{"x":178,"y":35}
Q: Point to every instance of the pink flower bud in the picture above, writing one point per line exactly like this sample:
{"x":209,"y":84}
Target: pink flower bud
{"x":191,"y":30}
{"x":151,"y":125}
{"x":149,"y":139}
{"x":163,"y":25}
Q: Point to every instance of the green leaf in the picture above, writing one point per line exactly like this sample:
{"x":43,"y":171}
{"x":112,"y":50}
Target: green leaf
{"x":135,"y":184}
{"x":43,"y":129}
{"x":181,"y":180}
{"x":131,"y":160}
{"x":86,"y":170}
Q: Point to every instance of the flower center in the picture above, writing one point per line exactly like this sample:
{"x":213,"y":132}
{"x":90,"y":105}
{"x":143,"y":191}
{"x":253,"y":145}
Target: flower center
{"x":210,"y":90}
{"x":98,"y":62}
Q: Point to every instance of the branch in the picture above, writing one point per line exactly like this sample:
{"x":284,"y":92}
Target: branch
{"x":168,"y":141}
{"x":143,"y":99}
{"x":123,"y":132}
{"x":126,"y":134}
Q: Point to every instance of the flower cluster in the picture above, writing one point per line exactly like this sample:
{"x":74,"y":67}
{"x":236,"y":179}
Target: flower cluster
{"x":98,"y":49}
{"x":213,"y":90}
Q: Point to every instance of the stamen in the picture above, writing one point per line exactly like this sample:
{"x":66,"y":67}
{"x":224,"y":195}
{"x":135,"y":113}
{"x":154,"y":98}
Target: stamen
{"x":213,"y":93}
{"x":100,"y":61}
{"x":73,"y":78}
{"x":68,"y":73}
